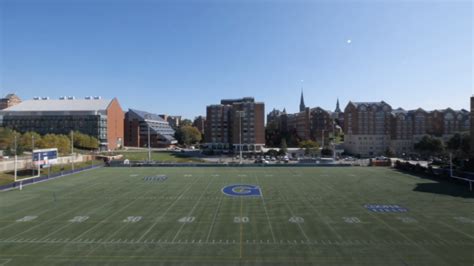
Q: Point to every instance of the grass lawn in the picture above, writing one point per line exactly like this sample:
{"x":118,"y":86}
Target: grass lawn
{"x":181,"y":216}
{"x":159,"y":156}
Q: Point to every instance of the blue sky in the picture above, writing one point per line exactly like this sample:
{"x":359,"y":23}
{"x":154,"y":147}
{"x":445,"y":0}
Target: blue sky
{"x":176,"y":57}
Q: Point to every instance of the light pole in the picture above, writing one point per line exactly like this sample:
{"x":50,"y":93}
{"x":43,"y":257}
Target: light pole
{"x":451,"y":164}
{"x":32,"y":149}
{"x":149,"y":145}
{"x":240,"y":134}
{"x":72,"y":150}
{"x":16,"y":147}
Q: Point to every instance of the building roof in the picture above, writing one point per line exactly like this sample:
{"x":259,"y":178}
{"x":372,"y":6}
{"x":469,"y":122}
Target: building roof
{"x":146,"y":115}
{"x":50,"y":105}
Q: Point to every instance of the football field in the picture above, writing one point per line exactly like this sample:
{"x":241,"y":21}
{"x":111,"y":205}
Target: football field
{"x":238,"y":216}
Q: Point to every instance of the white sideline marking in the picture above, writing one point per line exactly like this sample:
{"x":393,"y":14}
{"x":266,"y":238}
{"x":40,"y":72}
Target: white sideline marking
{"x":464,"y":220}
{"x":27,"y":219}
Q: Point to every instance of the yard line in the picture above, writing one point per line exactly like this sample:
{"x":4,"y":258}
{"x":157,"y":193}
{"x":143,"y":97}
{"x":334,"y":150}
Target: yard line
{"x":352,"y":201}
{"x":60,"y":215}
{"x":34,"y":207}
{"x":192,"y":210}
{"x":292,"y":214}
{"x":214,"y":218}
{"x":166,"y":211}
{"x":265,"y":209}
{"x":102,"y":221}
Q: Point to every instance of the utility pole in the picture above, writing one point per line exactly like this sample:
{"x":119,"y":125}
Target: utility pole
{"x":451,"y":164}
{"x":32,"y":159}
{"x":72,"y":149}
{"x":240,"y":133}
{"x":149,"y":145}
{"x":16,"y":147}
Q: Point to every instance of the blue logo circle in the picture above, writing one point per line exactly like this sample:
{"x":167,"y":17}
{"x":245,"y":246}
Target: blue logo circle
{"x":242,"y":191}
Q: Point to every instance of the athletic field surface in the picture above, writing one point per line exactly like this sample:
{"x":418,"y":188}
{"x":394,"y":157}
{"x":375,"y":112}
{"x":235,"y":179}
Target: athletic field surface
{"x":238,"y":216}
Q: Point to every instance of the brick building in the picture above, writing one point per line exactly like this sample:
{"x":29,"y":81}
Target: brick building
{"x":138,"y":124}
{"x":9,"y":100}
{"x":233,"y":122}
{"x":94,"y":116}
{"x":200,"y":123}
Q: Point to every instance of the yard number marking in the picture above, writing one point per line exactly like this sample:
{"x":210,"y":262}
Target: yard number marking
{"x":188,"y":219}
{"x":79,"y":219}
{"x":464,"y":220}
{"x":132,"y":219}
{"x":241,"y":220}
{"x":407,"y":220}
{"x":27,"y":219}
{"x":351,"y":220}
{"x":296,"y":220}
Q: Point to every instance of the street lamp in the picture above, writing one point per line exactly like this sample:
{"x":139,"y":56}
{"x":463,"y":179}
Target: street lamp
{"x":241,"y":113}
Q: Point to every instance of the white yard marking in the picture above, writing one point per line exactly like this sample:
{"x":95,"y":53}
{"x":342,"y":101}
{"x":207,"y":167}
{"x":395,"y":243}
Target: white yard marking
{"x":27,"y":218}
{"x":4,"y":261}
{"x":241,"y":220}
{"x":464,"y":220}
{"x":134,"y":175}
{"x":187,"y":219}
{"x":214,"y":218}
{"x":351,"y":220}
{"x":132,"y":219}
{"x":188,"y":175}
{"x":190,"y":185}
{"x":296,"y":220}
{"x":79,"y":219}
{"x":407,"y":220}
{"x":266,"y":211}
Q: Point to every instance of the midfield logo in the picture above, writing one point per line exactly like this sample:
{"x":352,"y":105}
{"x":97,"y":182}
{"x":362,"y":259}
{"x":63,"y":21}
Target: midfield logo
{"x":242,"y":191}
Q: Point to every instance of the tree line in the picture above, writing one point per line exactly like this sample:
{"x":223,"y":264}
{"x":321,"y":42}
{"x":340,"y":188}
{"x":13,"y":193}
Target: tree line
{"x":32,"y":140}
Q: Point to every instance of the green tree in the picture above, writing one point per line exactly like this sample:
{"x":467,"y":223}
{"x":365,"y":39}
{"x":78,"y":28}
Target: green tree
{"x":429,"y":145}
{"x":460,"y":145}
{"x":26,"y":140}
{"x":283,"y":146}
{"x":188,"y":135}
{"x":185,"y":122}
{"x":61,"y":142}
{"x":83,"y":141}
{"x":310,"y":147}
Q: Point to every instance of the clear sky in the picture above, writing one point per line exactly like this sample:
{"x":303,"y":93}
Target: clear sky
{"x":176,"y":57}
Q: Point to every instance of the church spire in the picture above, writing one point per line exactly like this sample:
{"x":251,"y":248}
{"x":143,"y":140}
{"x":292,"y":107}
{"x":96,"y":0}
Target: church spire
{"x":302,"y":106}
{"x":338,"y":110}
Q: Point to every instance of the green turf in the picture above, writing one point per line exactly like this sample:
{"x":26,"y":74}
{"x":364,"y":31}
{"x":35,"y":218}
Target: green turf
{"x":438,"y":228}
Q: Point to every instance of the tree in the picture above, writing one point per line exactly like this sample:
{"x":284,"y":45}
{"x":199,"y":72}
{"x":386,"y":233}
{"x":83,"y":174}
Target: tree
{"x":26,"y":140}
{"x":429,"y":145}
{"x":283,"y":146}
{"x":61,"y":142}
{"x":310,"y":147}
{"x":389,"y":152}
{"x":188,"y":135}
{"x":459,"y":144}
{"x":84,"y":141}
{"x":185,"y":122}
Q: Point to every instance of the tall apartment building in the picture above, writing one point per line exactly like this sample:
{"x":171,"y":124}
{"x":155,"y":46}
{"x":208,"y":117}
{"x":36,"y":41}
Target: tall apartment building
{"x":94,"y":116}
{"x":367,"y":127}
{"x":139,"y":123}
{"x":235,"y":124}
{"x":200,"y":123}
{"x":372,"y":128}
{"x":9,"y":100}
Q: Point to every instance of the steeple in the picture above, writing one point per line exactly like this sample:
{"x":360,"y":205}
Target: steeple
{"x":302,"y":106}
{"x":338,"y":110}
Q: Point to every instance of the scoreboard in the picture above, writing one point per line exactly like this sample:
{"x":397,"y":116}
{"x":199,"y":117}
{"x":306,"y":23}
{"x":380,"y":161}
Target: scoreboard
{"x":45,"y":157}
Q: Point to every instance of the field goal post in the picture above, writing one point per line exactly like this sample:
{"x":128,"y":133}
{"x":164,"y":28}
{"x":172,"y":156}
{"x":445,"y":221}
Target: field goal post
{"x":41,"y":158}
